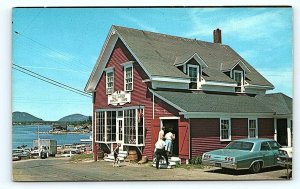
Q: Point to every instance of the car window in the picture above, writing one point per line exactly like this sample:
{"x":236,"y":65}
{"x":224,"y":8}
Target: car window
{"x":264,"y":146}
{"x":274,"y":145}
{"x":240,"y":145}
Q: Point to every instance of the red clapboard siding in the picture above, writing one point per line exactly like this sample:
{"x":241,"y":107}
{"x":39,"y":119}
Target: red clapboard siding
{"x":205,"y":136}
{"x":239,"y":128}
{"x":139,"y":96}
{"x":266,"y":128}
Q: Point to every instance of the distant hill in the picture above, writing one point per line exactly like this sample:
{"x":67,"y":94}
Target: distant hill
{"x":74,"y":118}
{"x":24,"y":117}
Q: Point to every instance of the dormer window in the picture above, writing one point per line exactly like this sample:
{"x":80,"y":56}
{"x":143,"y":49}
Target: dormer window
{"x":238,"y":76}
{"x":193,"y":73}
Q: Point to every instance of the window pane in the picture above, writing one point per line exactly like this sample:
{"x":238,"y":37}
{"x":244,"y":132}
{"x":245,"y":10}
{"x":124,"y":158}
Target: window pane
{"x":225,"y":129}
{"x":193,"y":73}
{"x":128,"y":78}
{"x":133,"y":125}
{"x":109,"y":82}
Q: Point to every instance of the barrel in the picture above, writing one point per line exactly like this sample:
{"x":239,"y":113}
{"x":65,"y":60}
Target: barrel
{"x":132,"y":155}
{"x":100,"y":152}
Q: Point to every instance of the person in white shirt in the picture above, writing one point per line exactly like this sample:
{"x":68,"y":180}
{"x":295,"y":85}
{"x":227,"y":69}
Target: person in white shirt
{"x":160,"y":151}
{"x":161,"y":133}
{"x":169,"y":138}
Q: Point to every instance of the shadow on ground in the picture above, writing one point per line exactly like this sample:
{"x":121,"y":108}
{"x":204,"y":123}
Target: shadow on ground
{"x":241,"y":172}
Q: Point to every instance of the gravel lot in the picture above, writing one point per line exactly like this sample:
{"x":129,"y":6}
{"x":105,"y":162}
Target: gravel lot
{"x":61,"y":169}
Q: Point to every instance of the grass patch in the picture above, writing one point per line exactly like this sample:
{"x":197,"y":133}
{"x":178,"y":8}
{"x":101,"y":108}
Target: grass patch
{"x":192,"y":166}
{"x":81,"y":157}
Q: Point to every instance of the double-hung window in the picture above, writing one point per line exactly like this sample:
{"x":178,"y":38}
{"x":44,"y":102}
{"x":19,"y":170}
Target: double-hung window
{"x":252,"y":128}
{"x":109,"y":81}
{"x":225,"y":129}
{"x":128,"y":78}
{"x":193,"y":73}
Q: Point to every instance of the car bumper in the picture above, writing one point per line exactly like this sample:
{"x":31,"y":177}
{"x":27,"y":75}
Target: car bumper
{"x":220,"y":164}
{"x":284,"y":161}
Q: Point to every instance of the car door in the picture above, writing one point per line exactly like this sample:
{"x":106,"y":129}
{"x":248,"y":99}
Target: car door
{"x":267,"y":154}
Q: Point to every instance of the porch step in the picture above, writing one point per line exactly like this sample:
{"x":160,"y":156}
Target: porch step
{"x":165,"y":166}
{"x":173,"y":161}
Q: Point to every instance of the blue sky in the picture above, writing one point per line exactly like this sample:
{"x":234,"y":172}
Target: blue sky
{"x":64,"y":43}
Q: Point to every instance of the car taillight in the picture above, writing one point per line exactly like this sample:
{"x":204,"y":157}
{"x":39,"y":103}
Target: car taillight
{"x":206,"y":156}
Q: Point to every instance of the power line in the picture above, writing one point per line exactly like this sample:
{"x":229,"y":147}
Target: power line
{"x":50,"y":81}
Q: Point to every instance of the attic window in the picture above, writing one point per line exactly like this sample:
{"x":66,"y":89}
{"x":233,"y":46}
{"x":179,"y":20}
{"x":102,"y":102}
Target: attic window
{"x":193,"y":73}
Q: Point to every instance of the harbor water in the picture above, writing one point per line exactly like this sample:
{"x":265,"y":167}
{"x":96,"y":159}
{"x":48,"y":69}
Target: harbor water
{"x":25,"y":134}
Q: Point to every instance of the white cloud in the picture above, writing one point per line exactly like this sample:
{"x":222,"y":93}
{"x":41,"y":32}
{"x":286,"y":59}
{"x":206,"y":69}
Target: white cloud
{"x":247,"y":26}
{"x":58,"y":56}
{"x":141,"y":25}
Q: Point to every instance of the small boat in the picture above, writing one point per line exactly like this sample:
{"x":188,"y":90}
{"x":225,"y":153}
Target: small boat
{"x":87,"y":140}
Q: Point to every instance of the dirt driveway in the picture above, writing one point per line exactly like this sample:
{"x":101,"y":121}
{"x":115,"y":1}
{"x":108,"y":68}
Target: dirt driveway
{"x":61,"y":169}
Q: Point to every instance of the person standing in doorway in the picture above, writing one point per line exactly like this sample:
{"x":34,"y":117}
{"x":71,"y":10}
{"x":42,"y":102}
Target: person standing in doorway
{"x":169,"y":142}
{"x":161,"y":133}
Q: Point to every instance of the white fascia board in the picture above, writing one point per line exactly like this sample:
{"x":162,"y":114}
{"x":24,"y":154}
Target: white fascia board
{"x":197,"y":58}
{"x":167,"y":101}
{"x":102,"y":60}
{"x":135,"y":57}
{"x":258,"y":86}
{"x":190,"y":115}
{"x":284,"y":116}
{"x":127,"y":64}
{"x":171,"y":117}
{"x":216,"y":83}
{"x":170,"y":79}
{"x":243,"y":66}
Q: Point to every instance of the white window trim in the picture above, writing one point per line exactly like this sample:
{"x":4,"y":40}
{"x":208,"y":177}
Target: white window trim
{"x":124,"y":73}
{"x":109,"y":70}
{"x":256,"y":129}
{"x":229,"y":130}
{"x":243,"y":76}
{"x":198,"y":75}
{"x":242,"y":81}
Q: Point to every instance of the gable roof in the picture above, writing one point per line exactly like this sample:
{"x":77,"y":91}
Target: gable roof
{"x":157,"y":53}
{"x":202,"y":102}
{"x":278,"y":102}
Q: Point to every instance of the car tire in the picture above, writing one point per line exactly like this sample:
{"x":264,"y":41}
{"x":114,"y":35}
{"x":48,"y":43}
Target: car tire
{"x":255,"y":167}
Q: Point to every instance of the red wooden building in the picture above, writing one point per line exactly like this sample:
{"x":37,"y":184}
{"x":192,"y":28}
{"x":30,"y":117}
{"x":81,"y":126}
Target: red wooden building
{"x":206,"y":92}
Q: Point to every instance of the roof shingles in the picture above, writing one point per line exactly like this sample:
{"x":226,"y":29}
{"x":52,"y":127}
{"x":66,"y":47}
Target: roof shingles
{"x":158,"y":53}
{"x":201,"y":102}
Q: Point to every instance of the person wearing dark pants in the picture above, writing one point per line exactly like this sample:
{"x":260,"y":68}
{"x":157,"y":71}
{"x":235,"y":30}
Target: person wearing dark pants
{"x":160,"y":151}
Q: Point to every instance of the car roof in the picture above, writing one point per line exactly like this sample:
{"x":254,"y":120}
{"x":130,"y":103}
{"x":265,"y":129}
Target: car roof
{"x":255,"y":140}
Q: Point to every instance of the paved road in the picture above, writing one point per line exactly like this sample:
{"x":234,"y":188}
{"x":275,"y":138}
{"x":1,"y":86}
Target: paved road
{"x":61,"y":169}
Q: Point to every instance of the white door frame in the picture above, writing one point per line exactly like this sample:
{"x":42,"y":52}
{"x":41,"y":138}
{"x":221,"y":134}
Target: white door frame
{"x":118,"y":129}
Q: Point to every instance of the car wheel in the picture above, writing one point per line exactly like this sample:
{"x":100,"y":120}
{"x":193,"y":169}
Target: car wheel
{"x":256,"y":167}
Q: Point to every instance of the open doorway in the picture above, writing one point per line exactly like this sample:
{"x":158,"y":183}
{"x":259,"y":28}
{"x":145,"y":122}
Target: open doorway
{"x":282,"y":132}
{"x":172,"y":125}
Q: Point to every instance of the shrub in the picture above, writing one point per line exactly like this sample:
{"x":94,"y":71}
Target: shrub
{"x":196,"y":160}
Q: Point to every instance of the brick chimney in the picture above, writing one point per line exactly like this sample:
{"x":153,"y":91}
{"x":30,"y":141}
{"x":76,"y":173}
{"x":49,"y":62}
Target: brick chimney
{"x":217,"y":36}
